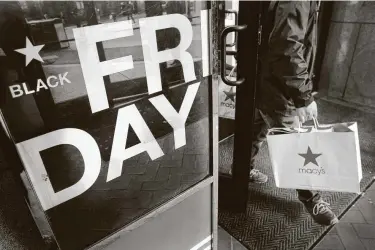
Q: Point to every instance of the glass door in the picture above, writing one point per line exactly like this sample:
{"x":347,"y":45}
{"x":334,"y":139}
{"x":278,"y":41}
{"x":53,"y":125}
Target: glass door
{"x":235,"y":151}
{"x":112,"y":109}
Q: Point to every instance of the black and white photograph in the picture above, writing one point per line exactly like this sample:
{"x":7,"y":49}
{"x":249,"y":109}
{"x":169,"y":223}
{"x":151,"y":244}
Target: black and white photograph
{"x":187,"y":125}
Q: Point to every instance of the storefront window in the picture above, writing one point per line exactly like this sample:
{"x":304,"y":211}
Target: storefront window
{"x":84,"y":74}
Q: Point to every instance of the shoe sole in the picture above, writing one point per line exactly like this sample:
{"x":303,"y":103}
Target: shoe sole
{"x":258,"y":182}
{"x":331,"y":223}
{"x":250,"y":181}
{"x":334,"y":221}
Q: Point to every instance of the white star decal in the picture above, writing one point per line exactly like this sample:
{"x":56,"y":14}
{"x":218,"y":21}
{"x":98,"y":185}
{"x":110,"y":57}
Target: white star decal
{"x":31,"y":52}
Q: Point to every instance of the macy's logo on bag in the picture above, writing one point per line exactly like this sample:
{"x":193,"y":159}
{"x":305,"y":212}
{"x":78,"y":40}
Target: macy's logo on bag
{"x":310,"y":157}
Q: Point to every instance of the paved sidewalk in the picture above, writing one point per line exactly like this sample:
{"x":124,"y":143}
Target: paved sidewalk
{"x":356,"y":230}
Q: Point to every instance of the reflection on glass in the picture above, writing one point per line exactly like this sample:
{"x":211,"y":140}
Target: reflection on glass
{"x":55,"y":96}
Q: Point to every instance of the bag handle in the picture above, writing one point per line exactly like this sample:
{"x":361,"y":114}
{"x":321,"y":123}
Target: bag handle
{"x":281,"y":130}
{"x":289,"y":131}
{"x":316,"y":124}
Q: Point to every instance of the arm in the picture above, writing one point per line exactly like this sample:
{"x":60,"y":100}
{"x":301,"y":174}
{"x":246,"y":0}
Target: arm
{"x":286,"y":48}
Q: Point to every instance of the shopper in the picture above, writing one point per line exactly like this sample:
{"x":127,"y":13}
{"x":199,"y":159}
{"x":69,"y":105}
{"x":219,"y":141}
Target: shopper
{"x":173,"y":36}
{"x":12,"y":19}
{"x":285,"y":95}
{"x":127,"y":9}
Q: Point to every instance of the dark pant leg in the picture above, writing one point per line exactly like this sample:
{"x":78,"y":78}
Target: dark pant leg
{"x":304,"y":195}
{"x":260,"y":128}
{"x":282,"y":120}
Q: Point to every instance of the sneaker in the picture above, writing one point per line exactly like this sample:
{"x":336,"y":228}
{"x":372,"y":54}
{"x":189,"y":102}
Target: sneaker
{"x":255,"y":176}
{"x":320,"y":211}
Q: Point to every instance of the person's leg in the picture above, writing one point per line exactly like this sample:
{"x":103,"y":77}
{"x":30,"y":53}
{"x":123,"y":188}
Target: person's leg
{"x":314,"y":204}
{"x":304,"y":195}
{"x":173,"y":40}
{"x":259,"y":136}
{"x":260,"y":128}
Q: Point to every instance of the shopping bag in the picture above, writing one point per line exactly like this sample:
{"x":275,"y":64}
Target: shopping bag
{"x":320,"y":157}
{"x":227,"y":98}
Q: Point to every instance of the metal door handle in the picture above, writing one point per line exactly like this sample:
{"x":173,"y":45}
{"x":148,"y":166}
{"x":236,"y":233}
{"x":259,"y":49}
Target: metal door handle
{"x":235,"y":13}
{"x":226,"y":31}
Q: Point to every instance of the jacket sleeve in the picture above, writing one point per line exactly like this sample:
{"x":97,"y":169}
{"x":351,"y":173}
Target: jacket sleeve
{"x":286,"y":50}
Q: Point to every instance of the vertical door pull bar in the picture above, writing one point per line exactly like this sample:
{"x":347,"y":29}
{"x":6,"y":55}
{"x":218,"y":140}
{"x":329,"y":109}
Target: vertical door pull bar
{"x":223,"y":52}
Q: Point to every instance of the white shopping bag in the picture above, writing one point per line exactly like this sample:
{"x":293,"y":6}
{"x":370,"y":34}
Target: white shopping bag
{"x":324,"y":157}
{"x":227,"y":99}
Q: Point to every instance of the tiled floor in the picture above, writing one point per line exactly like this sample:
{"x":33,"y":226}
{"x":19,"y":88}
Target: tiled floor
{"x":356,"y":230}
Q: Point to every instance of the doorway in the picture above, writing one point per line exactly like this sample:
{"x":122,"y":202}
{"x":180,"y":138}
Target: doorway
{"x":263,"y":216}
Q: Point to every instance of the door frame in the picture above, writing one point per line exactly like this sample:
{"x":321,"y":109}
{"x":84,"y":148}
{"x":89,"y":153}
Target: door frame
{"x":215,"y":23}
{"x":248,"y":68}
